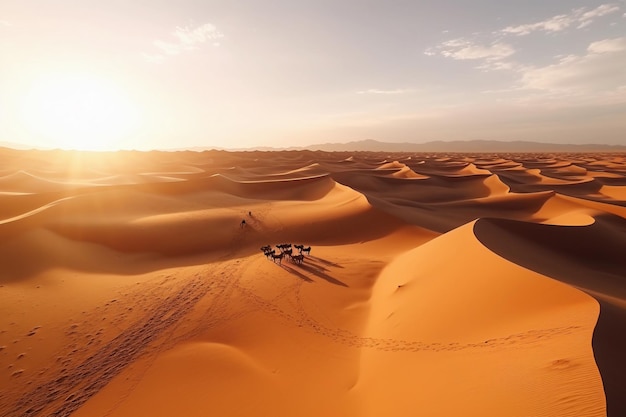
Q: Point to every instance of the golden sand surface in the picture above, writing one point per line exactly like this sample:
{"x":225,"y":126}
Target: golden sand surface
{"x":436,"y":284}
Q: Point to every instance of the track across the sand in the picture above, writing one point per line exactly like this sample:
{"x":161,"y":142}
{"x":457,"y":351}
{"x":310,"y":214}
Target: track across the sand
{"x":90,"y":361}
{"x":151,"y":319}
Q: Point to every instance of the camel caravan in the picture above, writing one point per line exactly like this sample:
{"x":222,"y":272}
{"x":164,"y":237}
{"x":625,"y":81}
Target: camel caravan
{"x":286,"y":249}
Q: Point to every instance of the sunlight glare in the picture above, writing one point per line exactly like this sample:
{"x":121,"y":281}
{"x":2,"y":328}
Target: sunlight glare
{"x":78,"y":111}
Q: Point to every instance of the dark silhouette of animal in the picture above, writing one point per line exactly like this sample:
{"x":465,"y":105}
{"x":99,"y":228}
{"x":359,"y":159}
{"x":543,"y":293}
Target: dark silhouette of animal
{"x":299,"y":247}
{"x":269,"y":253}
{"x":278,"y":256}
{"x":266,"y":248}
{"x":288,"y":252}
{"x":297,"y":259}
{"x":283,"y":246}
{"x":306,"y":250}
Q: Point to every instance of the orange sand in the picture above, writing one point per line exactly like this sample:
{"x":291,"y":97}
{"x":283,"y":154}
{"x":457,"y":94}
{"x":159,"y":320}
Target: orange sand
{"x":437,"y":285}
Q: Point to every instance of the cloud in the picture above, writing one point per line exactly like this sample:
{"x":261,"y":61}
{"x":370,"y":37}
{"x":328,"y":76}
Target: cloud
{"x":599,"y":11}
{"x":190,"y":38}
{"x":185,"y":39}
{"x":497,"y":65}
{"x":598,"y":73}
{"x":467,"y":50}
{"x":378,"y":91}
{"x":608,"y":45}
{"x":5,"y":24}
{"x":491,"y":55}
{"x":580,"y":17}
{"x":554,"y":24}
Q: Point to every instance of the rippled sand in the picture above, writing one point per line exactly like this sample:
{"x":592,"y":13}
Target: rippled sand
{"x":436,"y":285}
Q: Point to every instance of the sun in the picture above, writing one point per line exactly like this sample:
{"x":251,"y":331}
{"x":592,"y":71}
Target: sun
{"x":78,"y":111}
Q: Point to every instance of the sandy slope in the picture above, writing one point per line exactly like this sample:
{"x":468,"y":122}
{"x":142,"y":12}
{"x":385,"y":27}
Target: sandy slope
{"x":497,"y":338}
{"x":128,"y":286}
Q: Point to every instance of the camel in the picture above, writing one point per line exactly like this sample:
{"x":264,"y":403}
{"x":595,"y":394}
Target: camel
{"x":286,"y":250}
{"x":283,"y":246}
{"x":279,"y":257}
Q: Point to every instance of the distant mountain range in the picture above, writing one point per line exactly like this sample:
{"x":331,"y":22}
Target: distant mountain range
{"x":13,"y":145}
{"x":370,"y":145}
{"x":471,"y":146}
{"x":477,"y":146}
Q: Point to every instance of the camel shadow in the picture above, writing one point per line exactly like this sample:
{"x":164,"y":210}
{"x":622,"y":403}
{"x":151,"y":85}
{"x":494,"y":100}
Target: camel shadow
{"x":319,"y":272}
{"x":296,"y":273}
{"x":314,"y":266}
{"x":324,"y":261}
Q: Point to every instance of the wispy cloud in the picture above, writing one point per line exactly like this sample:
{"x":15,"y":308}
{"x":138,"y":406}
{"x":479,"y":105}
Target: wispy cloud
{"x":491,"y":56}
{"x":189,"y":38}
{"x":608,"y":45}
{"x":580,"y":18}
{"x":464,"y":49}
{"x":597,"y":73}
{"x":185,"y":39}
{"x":380,"y":91}
{"x":595,"y":77}
{"x":494,"y":50}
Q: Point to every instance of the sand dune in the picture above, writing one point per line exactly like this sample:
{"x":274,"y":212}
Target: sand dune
{"x":437,"y":284}
{"x":477,"y":350}
{"x":589,"y":257}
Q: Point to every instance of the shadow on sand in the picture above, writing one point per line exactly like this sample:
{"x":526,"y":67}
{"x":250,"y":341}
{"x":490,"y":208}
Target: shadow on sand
{"x":309,"y":265}
{"x":295,"y":272}
{"x":319,"y":271}
{"x":324,"y":261}
{"x":592,"y":261}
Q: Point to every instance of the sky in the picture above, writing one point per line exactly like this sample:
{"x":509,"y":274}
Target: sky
{"x":155,"y":74}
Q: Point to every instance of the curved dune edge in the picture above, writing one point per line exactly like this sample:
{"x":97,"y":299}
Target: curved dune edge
{"x":262,"y":340}
{"x":128,"y":286}
{"x":502,"y":339}
{"x":588,"y":257}
{"x":440,"y":334}
{"x":136,"y":225}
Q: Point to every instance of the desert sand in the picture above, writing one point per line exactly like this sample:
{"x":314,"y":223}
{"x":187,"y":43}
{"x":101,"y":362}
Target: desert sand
{"x":436,"y":285}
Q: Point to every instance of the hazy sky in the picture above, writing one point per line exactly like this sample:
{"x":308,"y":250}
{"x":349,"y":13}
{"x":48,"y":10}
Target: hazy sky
{"x":166,"y":74}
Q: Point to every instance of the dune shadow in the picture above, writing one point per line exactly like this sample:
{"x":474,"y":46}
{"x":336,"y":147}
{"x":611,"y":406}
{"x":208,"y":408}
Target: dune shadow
{"x":589,"y":258}
{"x":604,"y":200}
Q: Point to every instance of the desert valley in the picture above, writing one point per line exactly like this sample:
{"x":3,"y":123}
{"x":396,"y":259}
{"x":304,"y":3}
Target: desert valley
{"x":436,"y":284}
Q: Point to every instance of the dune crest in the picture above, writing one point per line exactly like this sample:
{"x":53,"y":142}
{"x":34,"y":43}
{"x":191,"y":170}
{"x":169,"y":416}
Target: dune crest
{"x":133,"y":283}
{"x":467,"y":325}
{"x":587,"y":256}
